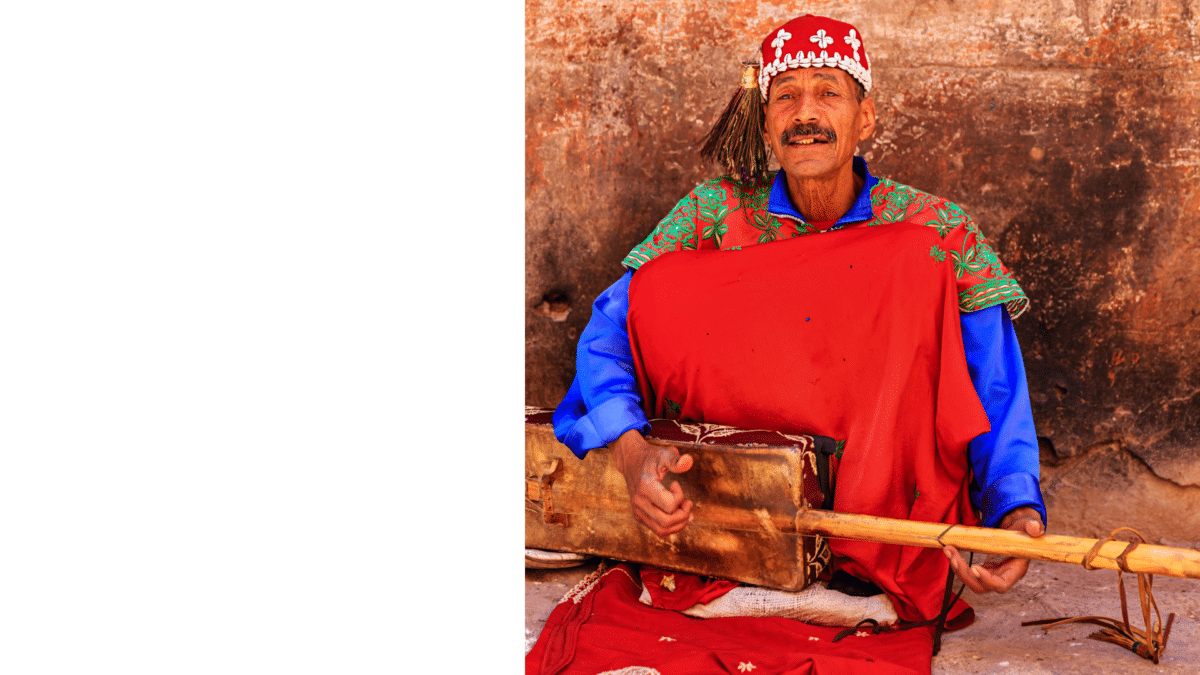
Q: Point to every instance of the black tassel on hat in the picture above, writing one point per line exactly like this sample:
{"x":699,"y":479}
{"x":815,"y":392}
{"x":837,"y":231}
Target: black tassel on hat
{"x":736,"y":141}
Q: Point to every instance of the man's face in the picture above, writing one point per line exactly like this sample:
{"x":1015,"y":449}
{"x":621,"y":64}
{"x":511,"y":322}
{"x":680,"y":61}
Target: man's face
{"x":814,"y":121}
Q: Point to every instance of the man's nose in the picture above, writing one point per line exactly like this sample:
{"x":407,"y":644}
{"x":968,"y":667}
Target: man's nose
{"x":806,"y":108}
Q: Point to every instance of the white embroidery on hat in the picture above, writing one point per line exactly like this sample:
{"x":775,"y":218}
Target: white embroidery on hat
{"x":855,"y":65}
{"x":855,"y":43}
{"x":780,"y":37}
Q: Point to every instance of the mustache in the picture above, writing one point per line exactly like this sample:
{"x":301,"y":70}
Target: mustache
{"x":807,"y":130}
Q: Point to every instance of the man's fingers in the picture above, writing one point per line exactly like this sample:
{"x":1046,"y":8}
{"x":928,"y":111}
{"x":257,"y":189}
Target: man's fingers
{"x":664,"y":460}
{"x":968,"y":575}
{"x":662,"y":508}
{"x":667,"y":500}
{"x":676,"y":491}
{"x":665,"y":505}
{"x":660,"y":530}
{"x":1000,"y":577}
{"x":670,"y":461}
{"x":1024,"y":519}
{"x":1030,"y":526}
{"x":989,"y":581}
{"x":661,"y":522}
{"x":988,"y":577}
{"x":682,"y":464}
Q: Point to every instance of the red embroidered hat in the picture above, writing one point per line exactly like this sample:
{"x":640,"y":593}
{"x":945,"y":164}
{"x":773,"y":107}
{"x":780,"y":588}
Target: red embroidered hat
{"x":813,"y":42}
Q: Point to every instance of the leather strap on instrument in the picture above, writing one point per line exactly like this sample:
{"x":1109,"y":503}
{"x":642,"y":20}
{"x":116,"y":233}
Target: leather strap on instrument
{"x":939,"y":622}
{"x":1149,"y":643}
{"x":824,"y":446}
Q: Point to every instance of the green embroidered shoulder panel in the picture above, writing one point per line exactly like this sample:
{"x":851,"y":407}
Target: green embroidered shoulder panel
{"x":983,"y":280}
{"x":704,"y":217}
{"x":725,"y":214}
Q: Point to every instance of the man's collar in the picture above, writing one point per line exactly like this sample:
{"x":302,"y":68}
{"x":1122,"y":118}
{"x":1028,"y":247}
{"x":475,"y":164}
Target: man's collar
{"x":780,"y":203}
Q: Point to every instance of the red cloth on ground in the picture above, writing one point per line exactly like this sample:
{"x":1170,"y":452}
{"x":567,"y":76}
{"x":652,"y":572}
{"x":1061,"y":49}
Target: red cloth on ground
{"x":607,"y":629}
{"x":680,"y":591}
{"x":853,"y":334}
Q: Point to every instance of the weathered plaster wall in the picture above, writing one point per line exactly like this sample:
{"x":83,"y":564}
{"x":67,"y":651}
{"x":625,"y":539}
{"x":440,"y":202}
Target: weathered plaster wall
{"x":1069,"y":129}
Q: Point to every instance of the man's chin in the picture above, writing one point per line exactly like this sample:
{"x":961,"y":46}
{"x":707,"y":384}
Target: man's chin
{"x":815,"y":166}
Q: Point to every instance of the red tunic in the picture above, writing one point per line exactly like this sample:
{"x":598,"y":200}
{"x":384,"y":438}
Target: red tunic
{"x":853,"y":334}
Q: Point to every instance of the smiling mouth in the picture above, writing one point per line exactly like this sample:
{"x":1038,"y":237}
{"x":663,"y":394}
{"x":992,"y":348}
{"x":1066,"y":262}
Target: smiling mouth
{"x":808,"y":134}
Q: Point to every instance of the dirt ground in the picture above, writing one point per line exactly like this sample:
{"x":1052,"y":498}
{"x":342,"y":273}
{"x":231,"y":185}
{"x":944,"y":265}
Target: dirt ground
{"x":996,"y":642}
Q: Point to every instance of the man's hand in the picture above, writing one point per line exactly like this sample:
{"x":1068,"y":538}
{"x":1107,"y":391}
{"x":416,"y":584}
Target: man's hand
{"x":644,"y":466}
{"x":999,"y":575}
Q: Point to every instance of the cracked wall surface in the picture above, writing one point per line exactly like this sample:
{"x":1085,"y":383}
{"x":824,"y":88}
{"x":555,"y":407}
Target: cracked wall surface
{"x":1069,"y":130}
{"x":1108,"y":486}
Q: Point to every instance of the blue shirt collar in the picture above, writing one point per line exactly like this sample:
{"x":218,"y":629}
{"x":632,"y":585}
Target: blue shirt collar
{"x":780,"y":203}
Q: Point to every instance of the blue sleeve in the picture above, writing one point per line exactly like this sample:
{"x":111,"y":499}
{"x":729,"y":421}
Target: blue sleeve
{"x":603,"y":401}
{"x":1004,"y":460}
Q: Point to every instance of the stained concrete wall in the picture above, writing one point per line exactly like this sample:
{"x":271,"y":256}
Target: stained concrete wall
{"x":1069,"y":129}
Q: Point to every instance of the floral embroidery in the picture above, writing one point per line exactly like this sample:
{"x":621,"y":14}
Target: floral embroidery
{"x":995,"y":291}
{"x":677,"y":226}
{"x":746,"y":666}
{"x":755,"y":196}
{"x":841,"y":447}
{"x":983,"y":279}
{"x":672,"y":407}
{"x":803,"y":228}
{"x":948,"y":218}
{"x":668,"y":582}
{"x":769,"y":225}
{"x":855,"y":43}
{"x":974,"y":260}
{"x":715,"y":232}
{"x":895,"y":207}
{"x":710,"y":201}
{"x":721,"y":211}
{"x":780,"y":38}
{"x":666,"y":639}
{"x":708,"y":433}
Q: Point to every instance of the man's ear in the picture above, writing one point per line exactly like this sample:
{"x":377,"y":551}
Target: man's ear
{"x":866,"y":110}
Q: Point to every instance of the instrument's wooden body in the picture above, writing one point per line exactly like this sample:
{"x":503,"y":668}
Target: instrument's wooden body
{"x":756,"y":519}
{"x":746,"y":501}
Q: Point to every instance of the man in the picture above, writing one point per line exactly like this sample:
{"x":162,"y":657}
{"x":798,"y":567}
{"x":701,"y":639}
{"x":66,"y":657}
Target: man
{"x":814,"y":79}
